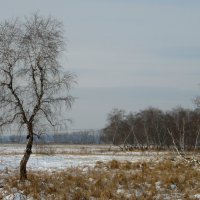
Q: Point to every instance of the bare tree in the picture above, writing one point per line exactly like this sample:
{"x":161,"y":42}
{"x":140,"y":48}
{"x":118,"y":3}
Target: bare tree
{"x":33,"y":85}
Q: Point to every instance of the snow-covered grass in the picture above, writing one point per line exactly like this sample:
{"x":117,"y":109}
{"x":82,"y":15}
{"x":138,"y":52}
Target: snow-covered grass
{"x":97,"y":173}
{"x":162,"y":180}
{"x":64,"y":156}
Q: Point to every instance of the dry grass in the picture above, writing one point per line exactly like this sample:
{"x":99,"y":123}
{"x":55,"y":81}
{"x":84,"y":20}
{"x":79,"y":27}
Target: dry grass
{"x":113,"y":180}
{"x":45,"y":149}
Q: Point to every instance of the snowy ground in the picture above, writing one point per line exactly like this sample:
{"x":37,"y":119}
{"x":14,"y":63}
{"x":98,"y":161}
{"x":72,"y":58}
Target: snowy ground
{"x":58,"y":157}
{"x":67,"y":156}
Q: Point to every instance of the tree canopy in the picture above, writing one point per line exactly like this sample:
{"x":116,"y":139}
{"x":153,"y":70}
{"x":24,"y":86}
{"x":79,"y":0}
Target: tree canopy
{"x":33,"y":84}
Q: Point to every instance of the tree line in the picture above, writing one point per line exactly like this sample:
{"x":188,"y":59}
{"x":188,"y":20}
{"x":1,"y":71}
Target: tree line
{"x":153,"y":128}
{"x":75,"y":137}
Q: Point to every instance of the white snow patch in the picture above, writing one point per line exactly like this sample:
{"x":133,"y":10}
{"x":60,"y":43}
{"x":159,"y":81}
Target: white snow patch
{"x":16,"y":196}
{"x":62,"y":161}
{"x":158,"y":185}
{"x":120,"y":191}
{"x":197,"y":196}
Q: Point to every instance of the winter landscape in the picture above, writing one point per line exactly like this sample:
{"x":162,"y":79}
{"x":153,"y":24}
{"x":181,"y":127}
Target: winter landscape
{"x":99,"y":100}
{"x":96,"y":172}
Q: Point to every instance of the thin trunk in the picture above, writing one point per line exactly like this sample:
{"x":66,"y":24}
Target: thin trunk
{"x":23,"y":163}
{"x":113,"y":139}
{"x":147,"y":137}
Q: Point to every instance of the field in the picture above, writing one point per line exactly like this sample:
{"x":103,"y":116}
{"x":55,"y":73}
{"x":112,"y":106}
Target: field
{"x":96,"y":172}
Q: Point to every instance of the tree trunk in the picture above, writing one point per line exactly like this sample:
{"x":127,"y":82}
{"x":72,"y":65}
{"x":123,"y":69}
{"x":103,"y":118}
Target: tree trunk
{"x":23,"y":163}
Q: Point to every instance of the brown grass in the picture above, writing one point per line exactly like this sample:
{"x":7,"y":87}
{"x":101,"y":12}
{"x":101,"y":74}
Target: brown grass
{"x":114,"y":180}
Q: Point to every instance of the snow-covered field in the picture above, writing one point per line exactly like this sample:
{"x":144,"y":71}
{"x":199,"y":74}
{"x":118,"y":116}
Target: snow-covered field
{"x":60,"y":157}
{"x":64,"y":156}
{"x":160,"y":181}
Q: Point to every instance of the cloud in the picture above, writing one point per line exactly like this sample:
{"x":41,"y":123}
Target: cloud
{"x":93,"y":104}
{"x":183,"y":53}
{"x":128,"y":54}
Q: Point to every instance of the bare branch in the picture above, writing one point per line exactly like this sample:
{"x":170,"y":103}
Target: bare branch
{"x":30,"y":72}
{"x":182,"y":155}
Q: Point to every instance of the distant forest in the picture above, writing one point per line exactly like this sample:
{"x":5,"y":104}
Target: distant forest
{"x":76,"y":137}
{"x":148,"y":128}
{"x":153,"y":128}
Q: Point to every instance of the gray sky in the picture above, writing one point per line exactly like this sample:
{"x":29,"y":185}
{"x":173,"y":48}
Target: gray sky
{"x":128,"y":54}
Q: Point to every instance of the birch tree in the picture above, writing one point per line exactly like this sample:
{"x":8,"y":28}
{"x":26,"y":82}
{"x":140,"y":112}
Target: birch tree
{"x":33,"y":84}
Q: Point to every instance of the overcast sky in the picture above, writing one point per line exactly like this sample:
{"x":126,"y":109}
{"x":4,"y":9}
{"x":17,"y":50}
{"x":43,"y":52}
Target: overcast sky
{"x":127,"y":54}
